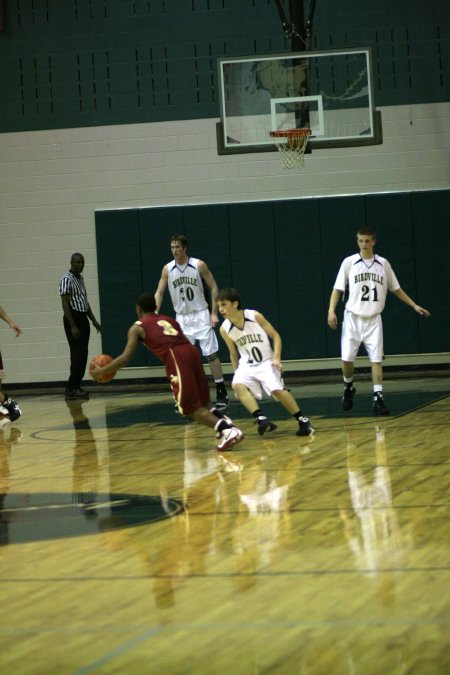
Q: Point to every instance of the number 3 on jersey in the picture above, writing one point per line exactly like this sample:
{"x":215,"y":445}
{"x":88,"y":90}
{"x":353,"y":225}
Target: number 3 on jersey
{"x":168,"y":329}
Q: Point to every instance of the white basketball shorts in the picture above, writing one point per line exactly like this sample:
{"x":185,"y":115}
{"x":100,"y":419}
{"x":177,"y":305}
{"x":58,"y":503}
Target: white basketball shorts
{"x":197,"y":328}
{"x":366,"y":330}
{"x":263,"y":376}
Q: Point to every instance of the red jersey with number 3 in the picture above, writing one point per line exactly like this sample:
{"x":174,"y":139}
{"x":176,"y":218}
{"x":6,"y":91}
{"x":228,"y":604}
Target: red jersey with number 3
{"x":184,"y":367}
{"x":162,"y":333}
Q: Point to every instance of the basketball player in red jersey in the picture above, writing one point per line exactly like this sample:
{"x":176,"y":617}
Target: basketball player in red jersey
{"x":163,"y":336}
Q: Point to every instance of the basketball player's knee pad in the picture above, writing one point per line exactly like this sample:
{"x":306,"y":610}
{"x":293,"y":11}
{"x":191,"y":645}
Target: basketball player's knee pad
{"x":212,"y":357}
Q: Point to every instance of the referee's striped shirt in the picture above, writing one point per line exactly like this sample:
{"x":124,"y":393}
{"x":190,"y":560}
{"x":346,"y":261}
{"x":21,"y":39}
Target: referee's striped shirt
{"x":73,"y":285}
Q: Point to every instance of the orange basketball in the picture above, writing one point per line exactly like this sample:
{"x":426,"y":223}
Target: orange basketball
{"x":99,"y":361}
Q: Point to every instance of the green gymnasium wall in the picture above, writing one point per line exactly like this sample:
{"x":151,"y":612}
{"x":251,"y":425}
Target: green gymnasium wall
{"x":85,"y":63}
{"x":284,"y":256}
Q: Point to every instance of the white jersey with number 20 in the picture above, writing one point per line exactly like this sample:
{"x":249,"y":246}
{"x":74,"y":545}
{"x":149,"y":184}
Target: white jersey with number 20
{"x":252,"y":341}
{"x":186,"y":287}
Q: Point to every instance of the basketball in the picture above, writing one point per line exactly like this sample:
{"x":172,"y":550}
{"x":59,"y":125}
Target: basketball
{"x":99,"y":361}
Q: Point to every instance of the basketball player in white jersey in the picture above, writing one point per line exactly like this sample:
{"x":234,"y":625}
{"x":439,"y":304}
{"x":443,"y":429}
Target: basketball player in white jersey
{"x":368,"y":278}
{"x":186,"y":278}
{"x":256,"y":364}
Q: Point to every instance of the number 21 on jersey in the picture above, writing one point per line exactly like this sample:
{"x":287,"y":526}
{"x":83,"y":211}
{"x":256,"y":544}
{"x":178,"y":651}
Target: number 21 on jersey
{"x":366,"y":294}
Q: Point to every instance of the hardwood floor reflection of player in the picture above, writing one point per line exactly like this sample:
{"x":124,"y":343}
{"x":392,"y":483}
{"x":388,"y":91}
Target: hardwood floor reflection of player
{"x":378,"y":542}
{"x":172,"y":552}
{"x":9,"y":437}
{"x":86,"y":468}
{"x":263,"y":525}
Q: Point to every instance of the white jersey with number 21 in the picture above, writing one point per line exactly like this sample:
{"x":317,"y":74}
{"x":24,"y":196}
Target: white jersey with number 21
{"x":368,"y":282}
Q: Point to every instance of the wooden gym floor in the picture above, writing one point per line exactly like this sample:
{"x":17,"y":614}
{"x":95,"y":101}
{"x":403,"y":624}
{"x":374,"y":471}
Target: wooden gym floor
{"x":129,"y":545}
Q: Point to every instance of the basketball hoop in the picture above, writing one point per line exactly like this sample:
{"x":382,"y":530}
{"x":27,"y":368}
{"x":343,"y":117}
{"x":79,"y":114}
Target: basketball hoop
{"x":292,"y":145}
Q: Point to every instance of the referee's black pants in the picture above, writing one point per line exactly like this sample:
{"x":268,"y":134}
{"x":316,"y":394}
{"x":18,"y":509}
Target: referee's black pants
{"x":78,"y":348}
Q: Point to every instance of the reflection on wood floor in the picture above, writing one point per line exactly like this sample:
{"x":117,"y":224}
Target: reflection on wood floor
{"x":321,"y":556}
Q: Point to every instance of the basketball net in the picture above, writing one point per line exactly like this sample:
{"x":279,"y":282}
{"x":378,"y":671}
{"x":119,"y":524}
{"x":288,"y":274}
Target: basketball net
{"x":291,"y":143}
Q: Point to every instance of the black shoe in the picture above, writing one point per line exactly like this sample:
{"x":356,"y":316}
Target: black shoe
{"x":76,"y":393}
{"x":264,"y":424}
{"x":304,"y":427}
{"x":222,"y":402}
{"x":347,"y":399}
{"x":378,"y":405}
{"x":13,"y":409}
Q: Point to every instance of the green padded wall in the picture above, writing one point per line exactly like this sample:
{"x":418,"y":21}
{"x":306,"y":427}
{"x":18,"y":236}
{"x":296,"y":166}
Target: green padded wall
{"x":300,"y":279}
{"x":431,"y":240}
{"x":252,"y":246}
{"x":120,"y":277}
{"x":200,"y":222}
{"x":283,"y":257}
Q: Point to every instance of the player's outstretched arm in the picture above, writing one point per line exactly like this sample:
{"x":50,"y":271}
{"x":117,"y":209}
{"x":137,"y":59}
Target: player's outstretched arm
{"x":7,"y":319}
{"x":135,"y":334}
{"x":401,"y":295}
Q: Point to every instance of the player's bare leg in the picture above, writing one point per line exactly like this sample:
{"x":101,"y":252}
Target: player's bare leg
{"x":348,"y":369}
{"x":244,"y":395}
{"x":206,"y":417}
{"x":288,"y":401}
{"x":349,"y":390}
{"x":377,"y":373}
{"x":379,"y":407}
{"x":217,"y":374}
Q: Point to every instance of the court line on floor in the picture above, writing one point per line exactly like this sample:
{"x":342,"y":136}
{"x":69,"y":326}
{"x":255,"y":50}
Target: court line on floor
{"x":232,"y":575}
{"x":128,"y":646}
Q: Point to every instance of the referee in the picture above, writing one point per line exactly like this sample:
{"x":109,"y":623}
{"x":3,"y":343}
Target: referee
{"x":76,"y":325}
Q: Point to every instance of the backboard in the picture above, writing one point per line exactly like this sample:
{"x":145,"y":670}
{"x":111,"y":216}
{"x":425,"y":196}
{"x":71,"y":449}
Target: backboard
{"x":328,"y":91}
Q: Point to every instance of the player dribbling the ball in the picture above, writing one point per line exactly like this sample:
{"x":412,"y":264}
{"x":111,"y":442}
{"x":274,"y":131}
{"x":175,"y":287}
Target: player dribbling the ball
{"x":163,"y":336}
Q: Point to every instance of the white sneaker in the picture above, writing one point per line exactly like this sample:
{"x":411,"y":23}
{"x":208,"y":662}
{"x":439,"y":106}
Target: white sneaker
{"x":230,"y":437}
{"x":219,"y":419}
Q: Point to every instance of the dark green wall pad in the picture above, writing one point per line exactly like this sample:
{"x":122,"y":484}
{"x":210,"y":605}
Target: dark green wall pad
{"x":283,"y":257}
{"x":103,"y":62}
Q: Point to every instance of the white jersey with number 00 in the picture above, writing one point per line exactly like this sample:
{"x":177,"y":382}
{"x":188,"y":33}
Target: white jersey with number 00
{"x":368,"y":282}
{"x":252,"y":341}
{"x":186,"y":287}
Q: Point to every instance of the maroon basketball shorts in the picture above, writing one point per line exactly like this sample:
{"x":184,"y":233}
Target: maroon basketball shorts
{"x":184,"y":370}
